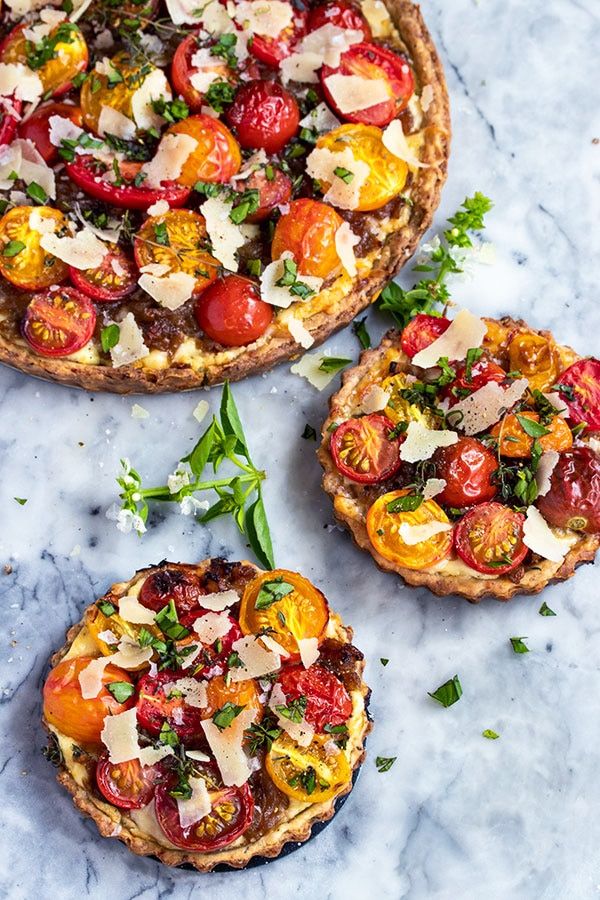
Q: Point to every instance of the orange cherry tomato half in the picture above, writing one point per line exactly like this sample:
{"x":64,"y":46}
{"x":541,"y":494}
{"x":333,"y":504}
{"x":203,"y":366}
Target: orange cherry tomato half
{"x":231,"y":312}
{"x":273,"y":50}
{"x":177,"y":239}
{"x":87,"y":173}
{"x":379,"y":65}
{"x":363,"y":450}
{"x":58,"y":323}
{"x":217,"y":157}
{"x":240,"y":693}
{"x":300,"y":613}
{"x":308,"y":231}
{"x":327,"y":700}
{"x":579,"y":387}
{"x":57,"y":59}
{"x":115,"y":278}
{"x":274,"y":189}
{"x":265,"y":115}
{"x":67,"y":711}
{"x":422,"y":331}
{"x":10,"y":111}
{"x":468,"y":468}
{"x":489,"y":539}
{"x":309,"y":774}
{"x":116,"y":92}
{"x":37,"y":127}
{"x":536,"y":357}
{"x":338,"y":12}
{"x":383,"y":527}
{"x":128,"y":785}
{"x":23,"y":261}
{"x":183,"y":70}
{"x":514,"y":441}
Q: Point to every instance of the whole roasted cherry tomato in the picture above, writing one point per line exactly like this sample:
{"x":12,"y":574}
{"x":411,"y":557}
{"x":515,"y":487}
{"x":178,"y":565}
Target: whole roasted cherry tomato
{"x":516,"y":443}
{"x":128,"y":785}
{"x":37,"y":127}
{"x":384,"y":522}
{"x":212,"y":660}
{"x":273,"y":186}
{"x":383,"y":67}
{"x":10,"y":111}
{"x":264,"y":115}
{"x":240,"y":693}
{"x":116,"y":277}
{"x":114,"y":90}
{"x":159,"y":702}
{"x":59,"y":322}
{"x":309,"y":774}
{"x":230,"y":815}
{"x":231,"y":312}
{"x":184,"y":70}
{"x":177,"y":239}
{"x":467,"y":468}
{"x":272,"y":50}
{"x":164,"y":585}
{"x":307,"y":230}
{"x":338,"y":12}
{"x":579,"y":387}
{"x":65,"y":709}
{"x":489,"y":539}
{"x":573,"y":500}
{"x":216,"y":158}
{"x":422,"y":331}
{"x":327,"y":700}
{"x":536,"y":358}
{"x":56,"y":59}
{"x":86,"y":172}
{"x":470,"y":379}
{"x":23,"y":261}
{"x":363,"y":450}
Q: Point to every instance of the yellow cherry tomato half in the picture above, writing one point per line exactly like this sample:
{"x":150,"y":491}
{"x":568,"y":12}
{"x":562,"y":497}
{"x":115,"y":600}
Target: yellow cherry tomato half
{"x":308,"y":774}
{"x":114,"y":89}
{"x":308,"y":231}
{"x":399,"y":409}
{"x":536,"y":357}
{"x":23,"y":261}
{"x":387,"y":174}
{"x":177,"y":239}
{"x":268,"y":602}
{"x":383,"y":527}
{"x":57,"y":58}
{"x":217,"y":156}
{"x":98,"y":623}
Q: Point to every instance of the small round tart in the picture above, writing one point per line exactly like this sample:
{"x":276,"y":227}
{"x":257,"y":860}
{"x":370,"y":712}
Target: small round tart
{"x":225,"y":189}
{"x":464,"y":455}
{"x":207,"y":714}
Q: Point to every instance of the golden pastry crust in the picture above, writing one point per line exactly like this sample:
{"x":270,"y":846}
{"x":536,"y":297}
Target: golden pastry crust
{"x":351,"y":509}
{"x":116,"y":823}
{"x":277,"y":345}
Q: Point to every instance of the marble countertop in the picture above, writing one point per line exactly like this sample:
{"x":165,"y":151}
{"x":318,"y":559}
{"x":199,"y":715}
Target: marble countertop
{"x":457,"y":815}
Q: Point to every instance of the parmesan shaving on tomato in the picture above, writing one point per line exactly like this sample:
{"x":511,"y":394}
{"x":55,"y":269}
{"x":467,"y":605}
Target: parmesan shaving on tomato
{"x":209,"y":69}
{"x":309,"y":367}
{"x":538,"y":536}
{"x":256,"y":660}
{"x":22,"y":158}
{"x":131,"y":610}
{"x":486,"y":406}
{"x":129,"y":655}
{"x":309,"y":651}
{"x":194,"y":691}
{"x":433,"y":487}
{"x":301,"y":732}
{"x":220,"y":600}
{"x":168,"y":161}
{"x":198,"y":755}
{"x":394,"y":140}
{"x":299,"y":332}
{"x":41,"y":223}
{"x":321,"y":164}
{"x":465,"y":332}
{"x":300,"y":67}
{"x":197,"y":806}
{"x":345,"y":242}
{"x":421,"y":442}
{"x":159,"y":208}
{"x":543,"y":473}
{"x":555,"y":399}
{"x":170,"y":291}
{"x":130,"y":347}
{"x":108,"y":636}
{"x":374,"y":399}
{"x":320,"y":119}
{"x":281,"y":295}
{"x":267,"y":18}
{"x":111,"y":121}
{"x":121,"y":739}
{"x":324,"y":45}
{"x":378,"y":17}
{"x":271,"y":644}
{"x":21,"y":81}
{"x":353,"y":93}
{"x":416,"y":534}
{"x":226,"y":746}
{"x":154,"y":87}
{"x":82,"y":251}
{"x":212,"y":626}
{"x":225,"y":236}
{"x":90,"y":678}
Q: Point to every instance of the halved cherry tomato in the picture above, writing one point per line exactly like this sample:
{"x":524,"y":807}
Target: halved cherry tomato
{"x":23,"y":261}
{"x":467,"y":468}
{"x":98,"y":623}
{"x":128,"y":785}
{"x":159,"y":702}
{"x":117,"y":92}
{"x":536,"y":357}
{"x":422,"y":331}
{"x":308,"y":774}
{"x":386,"y":175}
{"x":467,"y":382}
{"x":338,"y":12}
{"x":272,"y":50}
{"x":57,"y":59}
{"x":240,"y":693}
{"x":231,"y":312}
{"x":87,"y":173}
{"x":327,"y":700}
{"x":164,"y":585}
{"x":212,"y":659}
{"x":497,"y":340}
{"x":183,"y":249}
{"x":489,"y":539}
{"x":573,"y":500}
{"x":60,"y":322}
{"x":514,"y":441}
{"x":114,"y":279}
{"x":363,"y":451}
{"x":399,"y":409}
{"x":265,"y":115}
{"x":216,"y":158}
{"x":230,"y":816}
{"x":37,"y":128}
{"x":579,"y":387}
{"x":8,"y":121}
{"x":274,"y":189}
{"x":383,"y":527}
{"x":183,"y":70}
{"x":65,"y":709}
{"x":377,"y":64}
{"x":308,"y":231}
{"x":301,"y":613}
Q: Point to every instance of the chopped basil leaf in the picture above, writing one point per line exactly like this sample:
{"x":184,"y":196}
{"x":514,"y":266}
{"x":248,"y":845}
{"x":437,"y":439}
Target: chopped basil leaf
{"x":106,"y":607}
{"x":473,"y":354}
{"x":225,"y":716}
{"x":309,"y":433}
{"x":360,"y":330}
{"x":448,"y":693}
{"x":161,"y":234}
{"x":168,"y":622}
{"x":109,"y":336}
{"x":121,"y":690}
{"x":21,"y":500}
{"x":545,"y":610}
{"x":294,"y":710}
{"x":254,"y":267}
{"x":333,"y":363}
{"x":272,"y":591}
{"x":490,"y":735}
{"x":36,"y":192}
{"x":532,"y":428}
{"x":13,"y":248}
{"x":262,"y":734}
{"x":345,"y":174}
{"x":518,"y":645}
{"x":383,"y":661}
{"x":407,"y":503}
{"x":168,"y":736}
{"x":385,"y":763}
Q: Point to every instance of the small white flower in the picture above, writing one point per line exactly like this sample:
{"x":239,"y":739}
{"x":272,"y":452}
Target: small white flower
{"x":190,"y":506}
{"x":113,"y":511}
{"x":178,"y":480}
{"x":125,"y":520}
{"x":138,"y":524}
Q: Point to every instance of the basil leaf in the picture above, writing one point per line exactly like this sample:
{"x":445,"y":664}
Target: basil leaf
{"x":490,"y":735}
{"x":385,"y":763}
{"x":545,"y":610}
{"x":109,"y":336}
{"x":333,"y":363}
{"x":408,"y":503}
{"x":360,"y":330}
{"x":21,"y":500}
{"x":225,"y":716}
{"x":201,"y":452}
{"x":257,"y":531}
{"x":106,"y":607}
{"x":168,"y":622}
{"x":383,"y":661}
{"x":448,"y":693}
{"x":309,"y":433}
{"x":518,"y":645}
{"x":230,"y":419}
{"x":294,"y":710}
{"x":271,"y":592}
{"x":13,"y":248}
{"x":121,"y":690}
{"x":532,"y":428}
{"x":168,"y":736}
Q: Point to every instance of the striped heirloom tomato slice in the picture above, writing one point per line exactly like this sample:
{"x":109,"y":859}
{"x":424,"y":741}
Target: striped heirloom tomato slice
{"x":128,"y":785}
{"x":489,"y":539}
{"x":59,"y":322}
{"x":384,"y":525}
{"x":177,"y":239}
{"x":113,"y":280}
{"x":217,"y":156}
{"x":57,"y":58}
{"x":579,"y":387}
{"x":309,"y":774}
{"x":23,"y":261}
{"x":307,"y":230}
{"x":363,"y":450}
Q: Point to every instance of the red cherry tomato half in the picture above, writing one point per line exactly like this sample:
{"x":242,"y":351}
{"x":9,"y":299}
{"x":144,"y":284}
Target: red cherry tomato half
{"x":230,"y":816}
{"x":182,"y":70}
{"x":379,"y":64}
{"x":581,"y":393}
{"x":58,"y":323}
{"x":8,"y":121}
{"x":489,"y":539}
{"x":264,"y":115}
{"x":183,"y":588}
{"x":37,"y":127}
{"x":344,"y":15}
{"x":214,"y":656}
{"x":573,"y":500}
{"x":272,"y":50}
{"x":421,"y":332}
{"x":274,"y":189}
{"x":363,"y":451}
{"x":158,"y":703}
{"x":482,"y":372}
{"x":467,"y":467}
{"x":87,"y":175}
{"x":327,"y":700}
{"x":114,"y":279}
{"x":128,"y":785}
{"x":231,"y":312}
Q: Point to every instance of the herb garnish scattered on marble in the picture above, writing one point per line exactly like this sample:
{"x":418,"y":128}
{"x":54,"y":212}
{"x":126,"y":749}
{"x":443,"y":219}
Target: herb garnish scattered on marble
{"x":518,"y":645}
{"x":449,"y":692}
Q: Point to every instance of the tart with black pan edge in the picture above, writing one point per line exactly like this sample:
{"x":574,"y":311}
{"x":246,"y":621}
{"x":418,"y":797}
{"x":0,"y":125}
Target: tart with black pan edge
{"x":479,"y":550}
{"x":317,"y":712}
